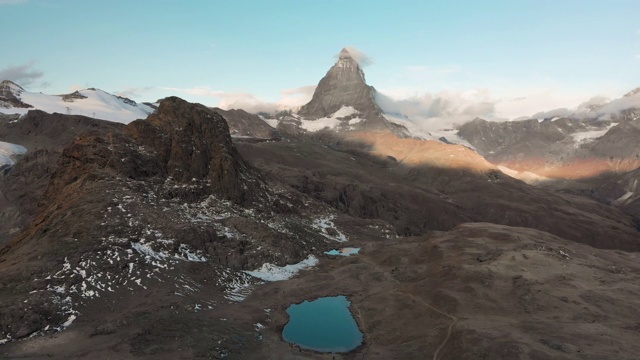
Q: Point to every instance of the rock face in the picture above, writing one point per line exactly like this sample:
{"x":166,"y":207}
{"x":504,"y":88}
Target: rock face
{"x":563,"y":148}
{"x":9,"y":92}
{"x":44,"y":135}
{"x":192,"y":142}
{"x":344,"y":87}
{"x":490,"y":137}
{"x":244,"y":124}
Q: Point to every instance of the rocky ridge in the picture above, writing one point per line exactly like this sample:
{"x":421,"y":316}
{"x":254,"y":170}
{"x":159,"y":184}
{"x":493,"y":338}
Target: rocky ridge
{"x":133,"y":209}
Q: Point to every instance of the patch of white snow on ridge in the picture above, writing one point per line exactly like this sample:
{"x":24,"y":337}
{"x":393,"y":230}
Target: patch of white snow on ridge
{"x":418,"y":132}
{"x":8,"y":152}
{"x":586,"y":136}
{"x":330,"y":122}
{"x":271,"y":122}
{"x":344,"y":112}
{"x":270,"y":272}
{"x":328,"y":229}
{"x":317,"y":125}
{"x":526,"y":176}
{"x":97,"y":104}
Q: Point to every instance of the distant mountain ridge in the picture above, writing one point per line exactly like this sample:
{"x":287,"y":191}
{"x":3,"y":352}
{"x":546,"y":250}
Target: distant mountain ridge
{"x":90,"y":102}
{"x":595,"y":139}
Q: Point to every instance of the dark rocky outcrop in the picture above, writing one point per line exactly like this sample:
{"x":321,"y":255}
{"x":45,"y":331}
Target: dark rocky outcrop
{"x":193,"y":142}
{"x":73,"y":96}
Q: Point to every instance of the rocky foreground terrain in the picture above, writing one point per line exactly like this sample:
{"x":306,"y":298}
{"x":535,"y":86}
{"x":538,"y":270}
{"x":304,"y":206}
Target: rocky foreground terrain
{"x":159,"y":239}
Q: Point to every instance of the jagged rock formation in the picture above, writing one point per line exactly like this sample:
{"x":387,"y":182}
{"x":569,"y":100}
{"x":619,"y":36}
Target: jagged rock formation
{"x":245,"y":125}
{"x":344,"y":87}
{"x":201,"y":149}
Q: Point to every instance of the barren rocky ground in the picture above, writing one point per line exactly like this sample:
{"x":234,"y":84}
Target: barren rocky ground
{"x":143,"y":237}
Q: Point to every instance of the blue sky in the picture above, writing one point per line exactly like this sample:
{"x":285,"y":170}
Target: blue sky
{"x":518,"y":55}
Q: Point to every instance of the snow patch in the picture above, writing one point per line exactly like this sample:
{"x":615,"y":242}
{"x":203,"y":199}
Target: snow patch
{"x":344,"y":112}
{"x":96,"y":104}
{"x":270,"y":272}
{"x":9,"y":152}
{"x":526,"y":176}
{"x":586,"y":136}
{"x":330,"y":122}
{"x":328,"y":229}
{"x":434,"y":134}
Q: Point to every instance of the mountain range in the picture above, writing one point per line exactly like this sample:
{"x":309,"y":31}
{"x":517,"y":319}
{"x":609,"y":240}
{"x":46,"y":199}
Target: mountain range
{"x":174,"y":230}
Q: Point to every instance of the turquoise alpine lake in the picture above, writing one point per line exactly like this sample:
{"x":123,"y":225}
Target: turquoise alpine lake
{"x":343,"y":252}
{"x":325,"y":325}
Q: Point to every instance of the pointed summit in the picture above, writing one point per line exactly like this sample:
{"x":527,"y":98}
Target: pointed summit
{"x":10,"y":95}
{"x":343,"y":90}
{"x":632,"y":92}
{"x":345,"y":54}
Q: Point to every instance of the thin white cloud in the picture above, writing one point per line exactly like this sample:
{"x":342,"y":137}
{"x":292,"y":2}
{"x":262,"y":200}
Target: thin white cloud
{"x":23,"y":75}
{"x":431,"y":111}
{"x":290,"y":98}
{"x":229,"y":100}
{"x":198,"y":91}
{"x":133,"y":92}
{"x":294,"y":98}
{"x":445,"y":109}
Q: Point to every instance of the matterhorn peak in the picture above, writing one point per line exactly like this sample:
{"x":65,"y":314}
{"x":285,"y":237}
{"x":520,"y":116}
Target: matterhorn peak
{"x":632,"y":92}
{"x":345,"y":54}
{"x":343,"y":90}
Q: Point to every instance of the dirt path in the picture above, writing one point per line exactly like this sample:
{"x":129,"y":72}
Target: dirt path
{"x":454,"y":319}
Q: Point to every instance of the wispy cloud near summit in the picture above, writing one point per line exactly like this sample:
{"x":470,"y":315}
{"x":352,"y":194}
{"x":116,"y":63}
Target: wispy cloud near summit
{"x":357,"y":55}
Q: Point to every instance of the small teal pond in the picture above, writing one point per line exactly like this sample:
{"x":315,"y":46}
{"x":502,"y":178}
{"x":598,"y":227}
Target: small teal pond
{"x":325,"y":325}
{"x":343,"y":252}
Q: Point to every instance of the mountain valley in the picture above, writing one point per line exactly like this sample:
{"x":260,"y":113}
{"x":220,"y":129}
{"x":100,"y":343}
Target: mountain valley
{"x":172,"y":230}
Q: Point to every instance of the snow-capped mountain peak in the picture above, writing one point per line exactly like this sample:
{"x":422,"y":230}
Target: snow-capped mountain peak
{"x":90,"y":102}
{"x":10,"y":95}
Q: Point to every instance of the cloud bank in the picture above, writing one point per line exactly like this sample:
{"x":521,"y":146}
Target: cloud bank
{"x":443,"y":109}
{"x":289,"y":98}
{"x":23,"y":75}
{"x":133,"y":92}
